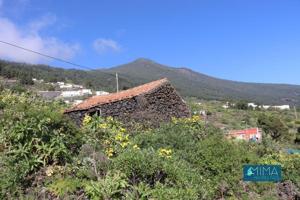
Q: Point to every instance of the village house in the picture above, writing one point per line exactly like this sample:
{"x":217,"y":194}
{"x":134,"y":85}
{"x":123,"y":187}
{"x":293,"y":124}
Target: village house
{"x":252,"y":134}
{"x":63,"y":85}
{"x":151,"y":103}
{"x":282,"y":107}
{"x":99,"y":93}
{"x":253,"y":105}
{"x":76,"y":93}
{"x":66,"y":86}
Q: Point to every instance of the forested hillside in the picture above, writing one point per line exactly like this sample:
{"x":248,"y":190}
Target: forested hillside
{"x":93,"y":79}
{"x":186,"y":81}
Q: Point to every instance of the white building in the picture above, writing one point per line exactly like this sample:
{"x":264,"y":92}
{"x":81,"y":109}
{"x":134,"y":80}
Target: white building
{"x":100,"y":93}
{"x":86,"y":91}
{"x":60,"y":83}
{"x":76,"y":93}
{"x":70,"y":94}
{"x":282,"y":107}
{"x":253,"y":105}
{"x":266,"y":106}
{"x":66,"y":86}
{"x":227,"y":105}
{"x":37,"y":80}
{"x":78,"y":86}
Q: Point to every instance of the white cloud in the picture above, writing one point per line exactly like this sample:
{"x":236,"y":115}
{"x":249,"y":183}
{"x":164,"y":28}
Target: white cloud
{"x":43,"y":22}
{"x":30,"y":38}
{"x":102,"y":46}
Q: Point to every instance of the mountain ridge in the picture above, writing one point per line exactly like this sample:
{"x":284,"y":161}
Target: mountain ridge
{"x":139,"y":71}
{"x":187,"y":81}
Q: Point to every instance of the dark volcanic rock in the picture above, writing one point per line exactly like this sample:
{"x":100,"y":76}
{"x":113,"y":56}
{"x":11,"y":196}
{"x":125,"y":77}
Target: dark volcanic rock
{"x":151,"y":103}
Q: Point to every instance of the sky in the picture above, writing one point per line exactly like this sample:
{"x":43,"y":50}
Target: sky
{"x":243,"y":40}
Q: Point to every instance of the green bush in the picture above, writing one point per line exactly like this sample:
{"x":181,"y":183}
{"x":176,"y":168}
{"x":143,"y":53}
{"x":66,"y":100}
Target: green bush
{"x":275,"y":127}
{"x":33,"y":134}
{"x":64,"y":186}
{"x":112,"y":186}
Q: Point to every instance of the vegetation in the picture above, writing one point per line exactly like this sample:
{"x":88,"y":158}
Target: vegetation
{"x":43,"y":155}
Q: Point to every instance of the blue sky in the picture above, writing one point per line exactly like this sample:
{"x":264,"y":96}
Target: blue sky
{"x":245,"y":40}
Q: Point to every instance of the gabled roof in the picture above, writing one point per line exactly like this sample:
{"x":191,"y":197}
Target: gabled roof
{"x":113,"y":97}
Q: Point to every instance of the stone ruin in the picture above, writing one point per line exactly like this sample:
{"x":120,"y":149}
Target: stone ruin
{"x":151,"y":103}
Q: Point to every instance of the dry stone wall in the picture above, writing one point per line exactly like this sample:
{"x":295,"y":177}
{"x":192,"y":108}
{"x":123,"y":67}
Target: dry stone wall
{"x":154,"y":107}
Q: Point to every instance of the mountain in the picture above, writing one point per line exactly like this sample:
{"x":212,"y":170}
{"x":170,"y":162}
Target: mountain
{"x":191,"y":83}
{"x":186,"y":81}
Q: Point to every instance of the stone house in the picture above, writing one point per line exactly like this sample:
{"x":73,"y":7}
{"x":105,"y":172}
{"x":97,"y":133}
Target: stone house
{"x":151,"y":103}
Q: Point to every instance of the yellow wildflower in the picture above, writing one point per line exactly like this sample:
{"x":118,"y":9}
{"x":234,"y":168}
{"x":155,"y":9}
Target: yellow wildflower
{"x":103,"y":126}
{"x":126,"y":137}
{"x":174,"y":120}
{"x":119,"y":137}
{"x":136,"y":146}
{"x":106,"y":142}
{"x":109,"y":152}
{"x":195,"y":118}
{"x":124,"y":144}
{"x":86,"y":120}
{"x":165,"y":152}
{"x":122,"y":130}
{"x":110,"y":119}
{"x":49,"y":171}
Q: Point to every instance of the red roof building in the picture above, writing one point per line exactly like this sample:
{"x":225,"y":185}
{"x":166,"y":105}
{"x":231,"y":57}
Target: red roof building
{"x":151,"y":103}
{"x":252,"y":134}
{"x":113,"y":97}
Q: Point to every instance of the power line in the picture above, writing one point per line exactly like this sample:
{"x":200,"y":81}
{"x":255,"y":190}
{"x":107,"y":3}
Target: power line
{"x":45,"y":55}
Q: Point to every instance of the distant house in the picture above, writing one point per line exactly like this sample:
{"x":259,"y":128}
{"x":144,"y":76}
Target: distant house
{"x":76,"y":93}
{"x":225,"y":106}
{"x":252,"y":134}
{"x":278,"y":107}
{"x":228,"y":105}
{"x":63,"y":85}
{"x":37,"y":80}
{"x":282,"y":107}
{"x":67,"y":94}
{"x":60,"y":83}
{"x":99,"y":93}
{"x":66,"y":86}
{"x":253,"y":105}
{"x":151,"y":103}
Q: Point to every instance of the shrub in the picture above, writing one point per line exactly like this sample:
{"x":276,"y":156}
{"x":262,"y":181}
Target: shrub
{"x":33,"y":133}
{"x":111,"y":187}
{"x":64,"y":186}
{"x":274,"y":126}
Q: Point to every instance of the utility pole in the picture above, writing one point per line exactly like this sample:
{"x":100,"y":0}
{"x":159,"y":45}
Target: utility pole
{"x":117,"y":80}
{"x":296,"y":115}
